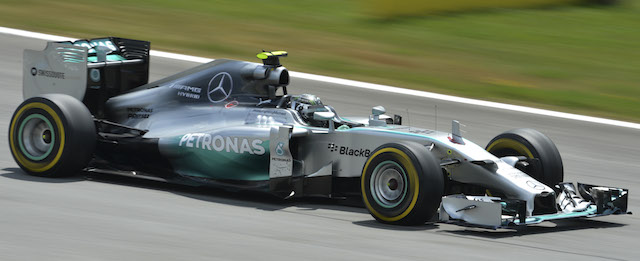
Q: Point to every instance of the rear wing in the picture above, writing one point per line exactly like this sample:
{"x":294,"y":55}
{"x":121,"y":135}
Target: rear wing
{"x":91,"y":70}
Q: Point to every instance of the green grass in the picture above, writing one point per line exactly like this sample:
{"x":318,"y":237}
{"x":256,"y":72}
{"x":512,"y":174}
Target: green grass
{"x":580,"y":59}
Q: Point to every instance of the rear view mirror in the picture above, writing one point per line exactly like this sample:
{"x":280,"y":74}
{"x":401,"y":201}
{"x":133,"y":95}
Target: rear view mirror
{"x":378,"y":110}
{"x":325,"y":116}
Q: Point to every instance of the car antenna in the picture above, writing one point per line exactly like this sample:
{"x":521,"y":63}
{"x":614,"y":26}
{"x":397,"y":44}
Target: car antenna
{"x":436,"y":109}
{"x":408,"y":118}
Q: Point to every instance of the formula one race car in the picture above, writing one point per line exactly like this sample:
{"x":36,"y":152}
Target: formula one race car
{"x":232,"y":124}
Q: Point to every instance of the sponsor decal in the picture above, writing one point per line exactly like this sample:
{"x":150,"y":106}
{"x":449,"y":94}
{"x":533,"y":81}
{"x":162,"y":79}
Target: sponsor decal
{"x":220,"y":87}
{"x":518,"y":175}
{"x":420,"y":131}
{"x":279,"y":149}
{"x":187,"y":91}
{"x":231,"y":104}
{"x":139,"y":113}
{"x":221,"y":143}
{"x":266,"y":112}
{"x":45,"y":73}
{"x":266,"y":116}
{"x":347,"y":151}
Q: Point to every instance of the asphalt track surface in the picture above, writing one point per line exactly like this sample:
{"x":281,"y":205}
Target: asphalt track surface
{"x":91,"y":217}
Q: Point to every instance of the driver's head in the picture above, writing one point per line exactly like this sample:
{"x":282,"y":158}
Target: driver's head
{"x":306,"y":104}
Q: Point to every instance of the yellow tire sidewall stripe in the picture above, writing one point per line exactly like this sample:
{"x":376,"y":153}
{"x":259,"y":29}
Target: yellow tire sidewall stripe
{"x":28,"y":164}
{"x":507,"y":143}
{"x":412,"y":173}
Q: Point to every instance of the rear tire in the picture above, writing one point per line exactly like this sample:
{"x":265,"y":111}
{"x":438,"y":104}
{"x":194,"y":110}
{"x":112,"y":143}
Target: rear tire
{"x":402,"y":184}
{"x":52,"y":135}
{"x":531,"y":144}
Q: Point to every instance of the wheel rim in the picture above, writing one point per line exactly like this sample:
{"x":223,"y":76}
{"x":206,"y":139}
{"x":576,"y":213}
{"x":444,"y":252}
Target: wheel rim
{"x":514,"y":147}
{"x":389,"y":184}
{"x":36,"y":137}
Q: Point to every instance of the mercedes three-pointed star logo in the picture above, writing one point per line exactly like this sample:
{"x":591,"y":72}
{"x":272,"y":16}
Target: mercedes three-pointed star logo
{"x":220,"y":87}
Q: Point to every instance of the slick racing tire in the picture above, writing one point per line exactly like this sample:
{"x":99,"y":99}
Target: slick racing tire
{"x":402,"y":184}
{"x":545,"y":163}
{"x":52,"y":135}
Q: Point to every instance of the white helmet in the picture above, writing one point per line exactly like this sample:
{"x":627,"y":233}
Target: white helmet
{"x":306,"y":105}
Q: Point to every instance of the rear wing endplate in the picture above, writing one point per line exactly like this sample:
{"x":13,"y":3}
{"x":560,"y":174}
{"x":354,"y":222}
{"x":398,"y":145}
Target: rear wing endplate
{"x":59,"y":68}
{"x":90,"y":70}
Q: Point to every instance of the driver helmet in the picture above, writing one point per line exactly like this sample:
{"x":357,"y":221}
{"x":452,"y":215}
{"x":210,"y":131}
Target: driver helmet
{"x":306,"y":105}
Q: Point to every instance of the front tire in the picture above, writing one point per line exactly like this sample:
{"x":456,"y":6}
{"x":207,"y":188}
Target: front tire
{"x":536,"y":147}
{"x":52,"y":135}
{"x":402,"y":184}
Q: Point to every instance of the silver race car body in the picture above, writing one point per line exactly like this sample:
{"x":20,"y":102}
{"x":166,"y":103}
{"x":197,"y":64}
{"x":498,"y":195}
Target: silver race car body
{"x":232,"y":124}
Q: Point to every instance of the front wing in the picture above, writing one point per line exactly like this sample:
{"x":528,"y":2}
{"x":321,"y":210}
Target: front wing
{"x":493,"y":212}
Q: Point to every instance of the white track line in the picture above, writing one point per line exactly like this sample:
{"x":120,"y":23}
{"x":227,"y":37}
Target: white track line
{"x":365,"y":85}
{"x":181,"y":57}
